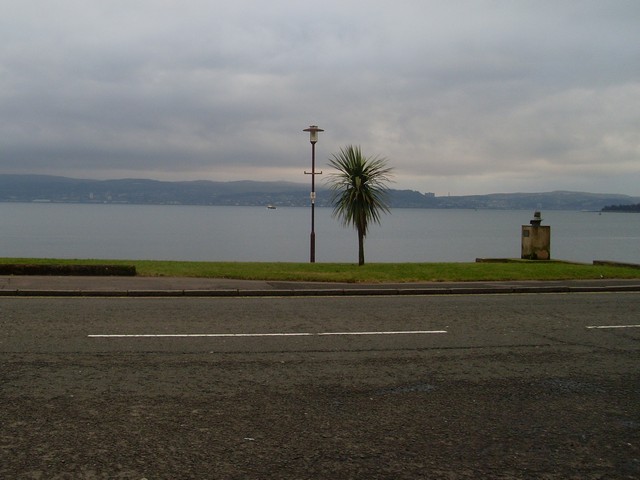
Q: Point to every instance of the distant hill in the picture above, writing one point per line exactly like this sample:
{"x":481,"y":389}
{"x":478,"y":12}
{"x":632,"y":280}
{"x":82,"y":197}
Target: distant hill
{"x":622,"y":208}
{"x":44,"y":188}
{"x":39,"y":188}
{"x":558,"y":200}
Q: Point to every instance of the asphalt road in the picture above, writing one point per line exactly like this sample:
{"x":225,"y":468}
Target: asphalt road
{"x":399,"y":387}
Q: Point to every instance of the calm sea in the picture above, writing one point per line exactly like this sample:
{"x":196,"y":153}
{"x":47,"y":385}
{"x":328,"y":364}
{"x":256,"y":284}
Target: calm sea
{"x":258,"y":234}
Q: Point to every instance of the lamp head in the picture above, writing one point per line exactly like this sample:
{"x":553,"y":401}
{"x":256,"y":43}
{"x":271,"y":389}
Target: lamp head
{"x":313,"y":133}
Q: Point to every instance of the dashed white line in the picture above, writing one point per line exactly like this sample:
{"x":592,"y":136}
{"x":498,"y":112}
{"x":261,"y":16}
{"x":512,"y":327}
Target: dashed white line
{"x":282,"y":334}
{"x":600,"y":327}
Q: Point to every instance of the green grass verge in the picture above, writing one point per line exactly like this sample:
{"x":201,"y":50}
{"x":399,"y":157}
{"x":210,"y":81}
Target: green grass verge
{"x":371,"y":273}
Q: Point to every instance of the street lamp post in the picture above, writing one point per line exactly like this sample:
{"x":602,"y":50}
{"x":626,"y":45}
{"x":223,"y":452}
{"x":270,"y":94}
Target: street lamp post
{"x":313,"y":138}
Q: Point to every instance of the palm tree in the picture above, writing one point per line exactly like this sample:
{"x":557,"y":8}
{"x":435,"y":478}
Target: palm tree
{"x":359,"y":190}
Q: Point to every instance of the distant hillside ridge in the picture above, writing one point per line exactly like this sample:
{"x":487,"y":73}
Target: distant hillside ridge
{"x":557,"y":200}
{"x":55,"y":189}
{"x":633,"y":208}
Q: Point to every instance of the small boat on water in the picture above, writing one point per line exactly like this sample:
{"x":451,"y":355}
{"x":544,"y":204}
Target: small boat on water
{"x":271,"y":207}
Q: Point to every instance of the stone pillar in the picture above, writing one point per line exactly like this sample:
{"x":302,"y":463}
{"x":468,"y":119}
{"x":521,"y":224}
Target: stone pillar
{"x":536,"y":240}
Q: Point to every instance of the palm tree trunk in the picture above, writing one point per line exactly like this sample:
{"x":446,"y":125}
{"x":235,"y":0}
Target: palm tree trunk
{"x":360,"y":246}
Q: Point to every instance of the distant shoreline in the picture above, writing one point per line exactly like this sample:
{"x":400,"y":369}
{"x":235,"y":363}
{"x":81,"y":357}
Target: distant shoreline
{"x":275,"y":207}
{"x":52,"y":189}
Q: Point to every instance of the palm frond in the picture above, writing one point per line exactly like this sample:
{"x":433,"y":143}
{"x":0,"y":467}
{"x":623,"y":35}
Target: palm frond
{"x":359,"y":191}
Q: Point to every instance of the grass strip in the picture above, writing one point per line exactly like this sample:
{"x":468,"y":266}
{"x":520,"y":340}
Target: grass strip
{"x":369,"y":273}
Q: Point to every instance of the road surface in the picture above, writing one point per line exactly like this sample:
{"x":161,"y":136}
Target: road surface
{"x":484,"y":386}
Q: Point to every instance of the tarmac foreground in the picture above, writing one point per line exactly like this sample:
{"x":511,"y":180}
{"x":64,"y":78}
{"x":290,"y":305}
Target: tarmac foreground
{"x":471,"y":386}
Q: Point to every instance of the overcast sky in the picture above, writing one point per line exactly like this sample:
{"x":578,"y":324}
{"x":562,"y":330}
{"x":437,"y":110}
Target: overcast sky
{"x":462,"y":97}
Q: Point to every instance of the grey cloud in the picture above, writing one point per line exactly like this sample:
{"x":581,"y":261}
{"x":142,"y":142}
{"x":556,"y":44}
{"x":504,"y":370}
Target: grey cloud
{"x":464,"y":96}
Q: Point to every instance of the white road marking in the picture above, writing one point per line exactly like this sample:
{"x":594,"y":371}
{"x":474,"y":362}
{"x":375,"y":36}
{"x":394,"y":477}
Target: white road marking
{"x":294,"y":334}
{"x":614,"y":326}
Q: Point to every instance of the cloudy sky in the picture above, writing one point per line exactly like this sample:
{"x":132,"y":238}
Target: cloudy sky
{"x":462,"y":96}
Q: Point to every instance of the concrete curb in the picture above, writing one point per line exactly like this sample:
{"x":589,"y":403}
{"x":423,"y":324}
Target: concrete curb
{"x":320,"y":292}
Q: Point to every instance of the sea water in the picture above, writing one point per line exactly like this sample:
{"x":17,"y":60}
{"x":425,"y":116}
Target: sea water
{"x":215,"y":233}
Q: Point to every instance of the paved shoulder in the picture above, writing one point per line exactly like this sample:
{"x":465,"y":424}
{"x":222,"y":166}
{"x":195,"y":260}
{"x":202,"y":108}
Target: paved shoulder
{"x":179,"y":286}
